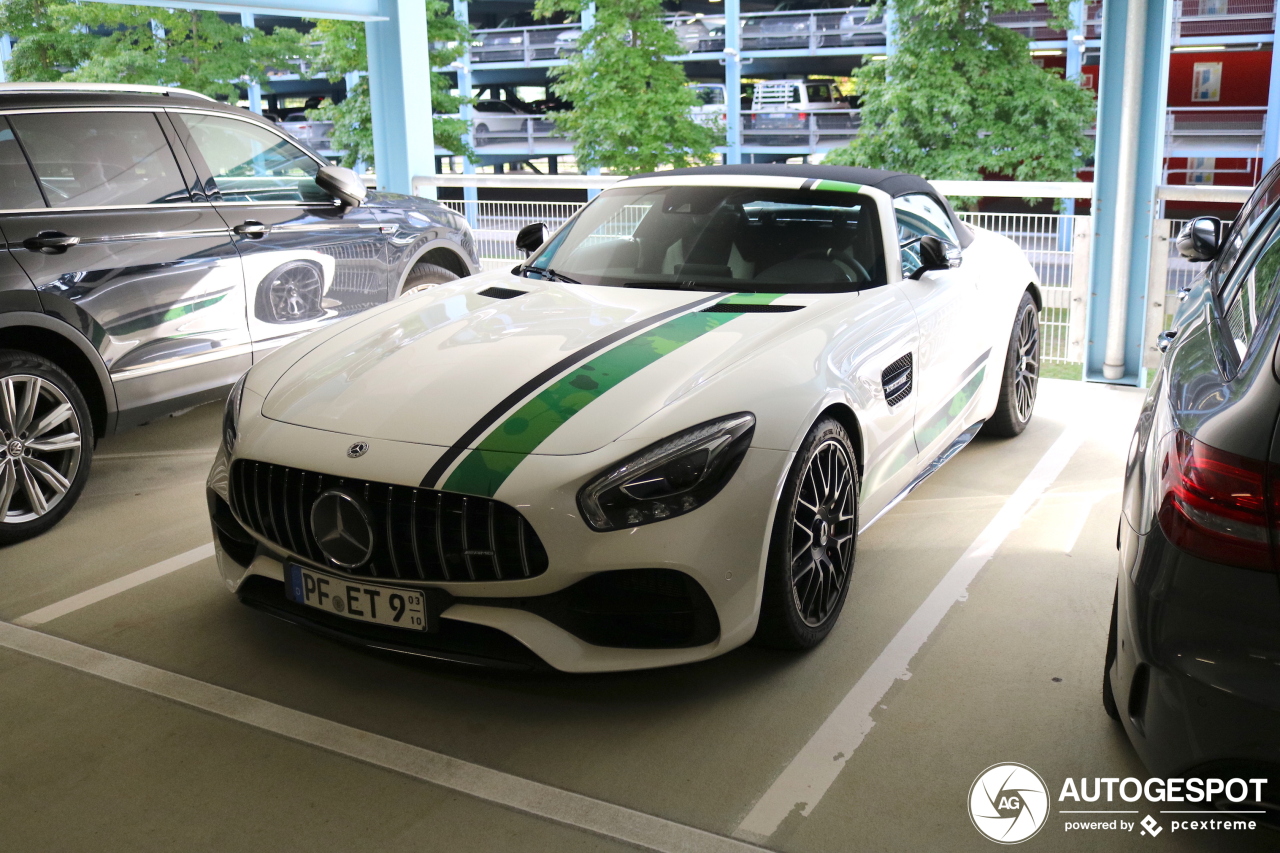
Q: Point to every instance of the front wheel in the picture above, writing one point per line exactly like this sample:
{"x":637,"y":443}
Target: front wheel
{"x":47,"y":442}
{"x":425,"y":276}
{"x":811,"y":549}
{"x":1021,"y":374}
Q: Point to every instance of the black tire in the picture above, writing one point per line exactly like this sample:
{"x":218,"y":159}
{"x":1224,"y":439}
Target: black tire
{"x":53,"y":461}
{"x":1021,"y":374}
{"x":1109,"y":695}
{"x":811,"y":548}
{"x":424,"y":275}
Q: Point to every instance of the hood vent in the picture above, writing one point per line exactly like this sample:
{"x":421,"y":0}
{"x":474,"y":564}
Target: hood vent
{"x":732,"y":308}
{"x":501,"y":292}
{"x":896,"y":381}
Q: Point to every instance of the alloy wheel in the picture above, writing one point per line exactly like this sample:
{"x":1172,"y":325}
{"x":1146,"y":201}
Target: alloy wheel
{"x":42,"y":447}
{"x":822,"y":533}
{"x":1027,"y":372}
{"x":296,"y":293}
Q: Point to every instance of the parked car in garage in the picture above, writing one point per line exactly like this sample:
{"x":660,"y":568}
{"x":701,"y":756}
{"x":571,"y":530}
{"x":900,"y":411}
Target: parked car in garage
{"x":497,"y":121}
{"x":655,"y":439}
{"x":158,"y":243}
{"x":798,"y":106}
{"x":1193,"y":656}
{"x":711,"y":107}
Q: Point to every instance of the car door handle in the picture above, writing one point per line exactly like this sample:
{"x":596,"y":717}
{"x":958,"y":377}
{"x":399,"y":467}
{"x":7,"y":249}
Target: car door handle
{"x":1164,"y":339}
{"x":252,"y":229}
{"x":50,"y":242}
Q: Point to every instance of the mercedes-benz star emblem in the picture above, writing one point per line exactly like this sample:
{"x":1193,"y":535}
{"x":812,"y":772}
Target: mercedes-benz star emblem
{"x":360,"y":448}
{"x":341,"y":526}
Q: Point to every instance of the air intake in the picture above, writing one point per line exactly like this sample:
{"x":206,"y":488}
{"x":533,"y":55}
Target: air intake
{"x":896,"y":381}
{"x":737,"y":308}
{"x":501,"y":292}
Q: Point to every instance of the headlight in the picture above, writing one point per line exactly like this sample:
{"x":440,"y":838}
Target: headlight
{"x":231,"y":415}
{"x":674,"y":476}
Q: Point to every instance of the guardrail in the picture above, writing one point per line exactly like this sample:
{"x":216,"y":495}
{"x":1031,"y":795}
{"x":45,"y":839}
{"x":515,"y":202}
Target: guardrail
{"x":1222,"y":17}
{"x":1057,"y":245}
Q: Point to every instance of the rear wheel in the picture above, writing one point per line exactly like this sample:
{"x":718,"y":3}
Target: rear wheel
{"x":811,"y":549}
{"x":1021,"y":374}
{"x":424,"y":276}
{"x":47,"y":440}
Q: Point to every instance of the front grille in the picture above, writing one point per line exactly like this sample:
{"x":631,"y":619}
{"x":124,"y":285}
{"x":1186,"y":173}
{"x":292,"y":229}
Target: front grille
{"x":419,"y":534}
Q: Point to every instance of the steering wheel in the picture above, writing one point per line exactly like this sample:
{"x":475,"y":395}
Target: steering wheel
{"x":846,"y":261}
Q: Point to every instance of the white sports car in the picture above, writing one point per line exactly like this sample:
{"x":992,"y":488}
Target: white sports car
{"x":654,"y":441}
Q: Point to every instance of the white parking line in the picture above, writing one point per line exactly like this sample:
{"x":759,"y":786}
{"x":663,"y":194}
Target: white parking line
{"x":804,"y":782}
{"x":110,"y":588}
{"x":534,"y":798}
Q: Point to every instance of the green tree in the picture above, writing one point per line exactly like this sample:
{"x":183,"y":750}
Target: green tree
{"x":630,"y":103}
{"x":45,"y":47}
{"x":191,"y":48}
{"x":961,"y":97}
{"x":341,"y":49}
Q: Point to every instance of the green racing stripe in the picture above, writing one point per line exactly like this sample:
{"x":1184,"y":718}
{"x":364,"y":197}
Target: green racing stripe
{"x":483,"y":470}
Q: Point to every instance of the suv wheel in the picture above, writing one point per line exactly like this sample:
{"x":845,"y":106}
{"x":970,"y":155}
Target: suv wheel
{"x":47,"y":439}
{"x":424,"y":276}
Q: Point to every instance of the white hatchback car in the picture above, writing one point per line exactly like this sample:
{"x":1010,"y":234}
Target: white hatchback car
{"x":653,"y":441}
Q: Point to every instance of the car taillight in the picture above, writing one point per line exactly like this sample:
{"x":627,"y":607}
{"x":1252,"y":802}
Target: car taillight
{"x":1217,"y":505}
{"x":803,"y":116}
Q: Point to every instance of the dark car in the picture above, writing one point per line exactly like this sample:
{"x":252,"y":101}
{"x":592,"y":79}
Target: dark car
{"x":1193,"y":657}
{"x":157,"y":244}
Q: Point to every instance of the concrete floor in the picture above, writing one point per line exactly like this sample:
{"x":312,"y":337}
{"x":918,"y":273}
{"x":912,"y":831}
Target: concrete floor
{"x":1011,"y":674}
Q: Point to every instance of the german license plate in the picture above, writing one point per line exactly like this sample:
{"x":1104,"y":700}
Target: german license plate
{"x":363,"y":602}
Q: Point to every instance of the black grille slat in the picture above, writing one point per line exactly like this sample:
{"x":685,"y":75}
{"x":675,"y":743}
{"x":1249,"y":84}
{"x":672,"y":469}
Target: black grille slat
{"x":896,"y":380}
{"x":421,"y":534}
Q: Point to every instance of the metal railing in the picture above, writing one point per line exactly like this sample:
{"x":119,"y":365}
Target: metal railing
{"x":1058,"y":246}
{"x":793,"y":128}
{"x":811,"y":30}
{"x":525,"y":44}
{"x":1222,"y":17}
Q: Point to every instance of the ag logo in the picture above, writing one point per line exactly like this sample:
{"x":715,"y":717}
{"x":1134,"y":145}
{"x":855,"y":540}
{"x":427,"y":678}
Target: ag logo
{"x":1008,"y":803}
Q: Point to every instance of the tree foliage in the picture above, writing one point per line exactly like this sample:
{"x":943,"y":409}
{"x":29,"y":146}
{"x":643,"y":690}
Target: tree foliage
{"x":630,"y":103}
{"x":342,"y":49}
{"x":108,"y":43}
{"x":961,"y":97}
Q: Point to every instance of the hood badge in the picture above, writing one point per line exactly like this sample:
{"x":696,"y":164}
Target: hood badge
{"x":360,"y":448}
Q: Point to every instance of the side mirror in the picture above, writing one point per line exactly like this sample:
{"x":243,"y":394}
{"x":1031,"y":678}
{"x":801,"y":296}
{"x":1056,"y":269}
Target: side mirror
{"x":937,"y":254}
{"x":1200,"y":239}
{"x":531,"y":238}
{"x":343,"y":184}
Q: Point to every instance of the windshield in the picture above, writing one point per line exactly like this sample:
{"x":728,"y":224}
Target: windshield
{"x":743,"y":239}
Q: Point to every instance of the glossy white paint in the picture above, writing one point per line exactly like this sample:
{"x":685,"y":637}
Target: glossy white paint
{"x":411,"y":377}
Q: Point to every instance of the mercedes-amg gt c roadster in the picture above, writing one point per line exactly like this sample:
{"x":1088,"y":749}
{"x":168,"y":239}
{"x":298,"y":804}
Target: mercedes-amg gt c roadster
{"x":655,"y":440}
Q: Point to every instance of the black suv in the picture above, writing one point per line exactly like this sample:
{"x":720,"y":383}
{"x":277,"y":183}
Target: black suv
{"x":1193,"y":659}
{"x":157,"y":243}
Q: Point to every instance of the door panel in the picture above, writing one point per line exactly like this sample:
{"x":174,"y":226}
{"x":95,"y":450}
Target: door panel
{"x":306,"y":260}
{"x":152,"y":277}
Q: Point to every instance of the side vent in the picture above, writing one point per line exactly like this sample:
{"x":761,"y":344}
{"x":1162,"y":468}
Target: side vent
{"x":501,"y":292}
{"x":896,"y":380}
{"x":732,"y":308}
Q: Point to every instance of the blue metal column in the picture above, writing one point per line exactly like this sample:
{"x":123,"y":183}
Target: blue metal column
{"x":6,"y":52}
{"x":1130,"y":150}
{"x":1271,"y":129}
{"x":400,"y":95}
{"x":589,"y":21}
{"x":469,"y":195}
{"x":733,"y":81}
{"x":890,"y":28}
{"x":255,"y":88}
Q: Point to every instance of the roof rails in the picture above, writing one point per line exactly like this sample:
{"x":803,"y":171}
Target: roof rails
{"x":15,"y":88}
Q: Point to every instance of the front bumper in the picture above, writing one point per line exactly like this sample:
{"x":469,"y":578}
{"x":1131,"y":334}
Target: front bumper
{"x":1197,"y":670}
{"x":720,"y":548}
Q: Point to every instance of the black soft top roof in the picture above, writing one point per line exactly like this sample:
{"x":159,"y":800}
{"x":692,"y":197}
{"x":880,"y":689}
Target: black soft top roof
{"x":893,"y":183}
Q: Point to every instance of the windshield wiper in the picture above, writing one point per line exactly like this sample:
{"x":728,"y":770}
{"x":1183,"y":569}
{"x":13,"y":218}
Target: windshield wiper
{"x":548,"y":272}
{"x":672,"y":285}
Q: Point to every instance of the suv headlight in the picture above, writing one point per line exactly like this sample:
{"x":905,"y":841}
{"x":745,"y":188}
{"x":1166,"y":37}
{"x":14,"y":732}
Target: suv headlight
{"x":231,"y":414}
{"x":674,"y":476}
